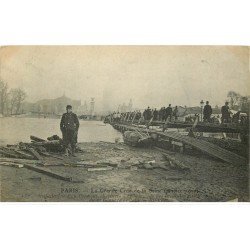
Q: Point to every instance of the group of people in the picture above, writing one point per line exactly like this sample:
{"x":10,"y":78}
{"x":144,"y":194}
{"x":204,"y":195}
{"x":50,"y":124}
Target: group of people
{"x":226,"y":114}
{"x":163,"y":114}
{"x":69,"y":124}
{"x":171,"y":114}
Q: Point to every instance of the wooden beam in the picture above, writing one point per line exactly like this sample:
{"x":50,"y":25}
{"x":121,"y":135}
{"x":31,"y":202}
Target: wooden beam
{"x":35,"y":153}
{"x":47,"y":172}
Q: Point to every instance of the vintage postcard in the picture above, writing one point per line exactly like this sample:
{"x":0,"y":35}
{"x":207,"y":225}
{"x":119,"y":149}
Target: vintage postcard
{"x":124,"y":123}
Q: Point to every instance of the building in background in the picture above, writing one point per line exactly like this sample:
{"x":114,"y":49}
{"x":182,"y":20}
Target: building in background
{"x":55,"y":106}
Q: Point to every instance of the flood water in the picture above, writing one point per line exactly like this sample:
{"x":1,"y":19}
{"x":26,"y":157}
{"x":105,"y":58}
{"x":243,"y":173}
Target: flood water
{"x":14,"y":130}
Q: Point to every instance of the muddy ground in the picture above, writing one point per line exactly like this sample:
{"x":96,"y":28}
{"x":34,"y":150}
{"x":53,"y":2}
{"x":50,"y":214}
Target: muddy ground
{"x":131,"y":179}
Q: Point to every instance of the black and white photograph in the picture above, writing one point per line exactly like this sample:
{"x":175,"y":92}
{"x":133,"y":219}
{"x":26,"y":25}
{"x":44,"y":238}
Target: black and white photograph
{"x":124,"y":123}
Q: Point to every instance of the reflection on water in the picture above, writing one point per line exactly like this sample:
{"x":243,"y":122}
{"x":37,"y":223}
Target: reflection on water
{"x":14,"y":130}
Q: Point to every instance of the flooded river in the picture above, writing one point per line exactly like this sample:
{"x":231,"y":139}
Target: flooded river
{"x":14,"y":130}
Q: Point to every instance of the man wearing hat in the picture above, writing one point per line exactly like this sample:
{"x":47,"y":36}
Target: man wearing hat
{"x":69,"y":126}
{"x":207,"y":112}
{"x":225,"y":113}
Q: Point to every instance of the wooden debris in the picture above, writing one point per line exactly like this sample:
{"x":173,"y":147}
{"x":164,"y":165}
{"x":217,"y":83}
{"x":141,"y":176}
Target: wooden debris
{"x":35,"y":153}
{"x":46,"y":143}
{"x":18,"y":160}
{"x":50,"y":155}
{"x":148,"y":166}
{"x":53,"y":137}
{"x":175,"y":162}
{"x":118,"y":148}
{"x":12,"y":164}
{"x":100,"y":169}
{"x":8,"y":153}
{"x":86,"y":163}
{"x":47,"y":172}
{"x":107,"y":163}
{"x":36,"y":139}
{"x":23,"y":154}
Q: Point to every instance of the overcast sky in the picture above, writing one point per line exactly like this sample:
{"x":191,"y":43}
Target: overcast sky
{"x":151,"y":75}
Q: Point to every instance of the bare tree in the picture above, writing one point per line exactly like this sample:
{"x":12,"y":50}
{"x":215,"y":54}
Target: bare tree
{"x":13,"y":100}
{"x":17,"y":96}
{"x":21,"y":95}
{"x":3,"y":95}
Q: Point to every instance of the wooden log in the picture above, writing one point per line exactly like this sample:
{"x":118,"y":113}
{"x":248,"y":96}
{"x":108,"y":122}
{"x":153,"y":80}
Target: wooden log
{"x":100,"y":169}
{"x":18,"y":160}
{"x":11,"y":164}
{"x":44,"y":143}
{"x":36,"y":139}
{"x":35,"y":153}
{"x":23,"y":155}
{"x":8,"y":153}
{"x":47,"y":172}
{"x":51,"y":155}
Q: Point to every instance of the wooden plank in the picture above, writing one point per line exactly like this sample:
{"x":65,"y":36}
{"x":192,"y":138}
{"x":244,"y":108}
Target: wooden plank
{"x":44,"y":143}
{"x":47,"y":172}
{"x":206,"y":147}
{"x":18,"y":160}
{"x":11,"y":164}
{"x":37,"y":139}
{"x":23,"y":154}
{"x":51,"y":155}
{"x":180,"y":144}
{"x":100,"y":169}
{"x":35,"y":153}
{"x":8,"y":153}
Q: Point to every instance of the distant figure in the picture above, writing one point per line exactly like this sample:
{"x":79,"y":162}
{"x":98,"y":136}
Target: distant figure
{"x":225,"y":113}
{"x":207,"y":112}
{"x":160,"y":113}
{"x":236,"y":117}
{"x":175,"y":113}
{"x":169,"y":112}
{"x":69,"y":126}
{"x":155,"y":115}
{"x":148,"y":114}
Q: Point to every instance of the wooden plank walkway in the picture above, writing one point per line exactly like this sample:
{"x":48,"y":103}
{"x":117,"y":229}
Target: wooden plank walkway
{"x":200,"y":127}
{"x":199,"y":144}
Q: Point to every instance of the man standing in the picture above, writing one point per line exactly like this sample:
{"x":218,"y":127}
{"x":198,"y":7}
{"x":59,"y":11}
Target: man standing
{"x":207,"y":112}
{"x":155,"y":115}
{"x":175,"y":113}
{"x":169,"y":112}
{"x":69,"y":126}
{"x":225,"y":113}
{"x":148,"y":114}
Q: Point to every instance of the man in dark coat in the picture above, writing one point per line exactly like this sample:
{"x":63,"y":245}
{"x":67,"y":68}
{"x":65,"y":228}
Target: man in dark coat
{"x":207,"y":112}
{"x":175,"y":113}
{"x":148,"y":114}
{"x":155,"y":115}
{"x":225,"y":113}
{"x":169,"y":112}
{"x":69,"y":126}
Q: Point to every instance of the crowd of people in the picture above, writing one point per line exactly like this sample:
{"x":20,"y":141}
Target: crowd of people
{"x":163,"y":114}
{"x":169,"y":114}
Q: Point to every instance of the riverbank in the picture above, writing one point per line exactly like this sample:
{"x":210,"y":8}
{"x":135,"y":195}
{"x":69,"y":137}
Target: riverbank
{"x":136,"y":174}
{"x":14,"y":130}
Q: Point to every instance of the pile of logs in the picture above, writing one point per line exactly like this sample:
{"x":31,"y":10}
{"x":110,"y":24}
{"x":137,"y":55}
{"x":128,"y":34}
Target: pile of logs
{"x":34,"y":150}
{"x":36,"y":156}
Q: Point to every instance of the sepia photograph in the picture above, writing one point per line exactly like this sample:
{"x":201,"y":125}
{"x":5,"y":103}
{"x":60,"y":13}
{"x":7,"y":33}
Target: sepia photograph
{"x":124,"y":123}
